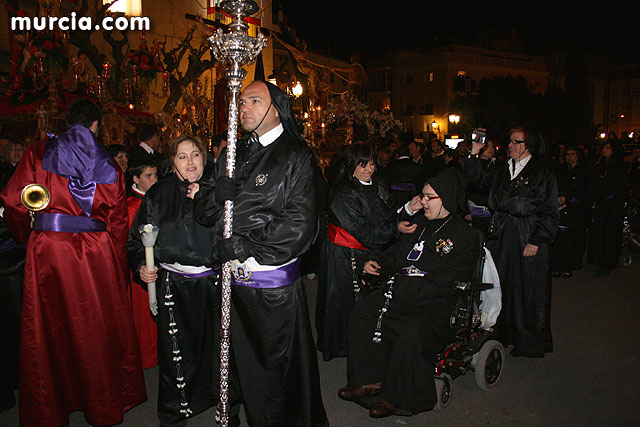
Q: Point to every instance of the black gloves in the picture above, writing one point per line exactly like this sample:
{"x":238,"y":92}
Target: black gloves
{"x":226,"y":189}
{"x":224,"y":251}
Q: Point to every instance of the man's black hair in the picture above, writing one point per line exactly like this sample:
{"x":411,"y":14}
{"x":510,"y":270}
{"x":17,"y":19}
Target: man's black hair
{"x":148,"y":132}
{"x":138,"y":167}
{"x":82,"y":112}
{"x":114,"y":149}
{"x":217,"y":139}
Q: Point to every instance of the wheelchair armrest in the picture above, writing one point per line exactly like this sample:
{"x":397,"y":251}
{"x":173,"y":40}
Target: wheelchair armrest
{"x":472,"y":286}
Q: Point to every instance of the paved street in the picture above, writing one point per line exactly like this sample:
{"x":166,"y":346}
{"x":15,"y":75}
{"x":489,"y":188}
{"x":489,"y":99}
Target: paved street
{"x":592,"y":378}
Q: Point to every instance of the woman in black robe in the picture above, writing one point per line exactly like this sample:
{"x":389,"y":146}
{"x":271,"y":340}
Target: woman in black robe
{"x":523,"y":197}
{"x":361,"y":218}
{"x":608,"y":192}
{"x":391,"y":351}
{"x":186,"y":292}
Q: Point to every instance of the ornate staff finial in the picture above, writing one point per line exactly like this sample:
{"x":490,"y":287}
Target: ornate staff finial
{"x":235,"y":48}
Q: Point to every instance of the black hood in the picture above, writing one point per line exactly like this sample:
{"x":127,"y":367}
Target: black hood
{"x":451,"y":185}
{"x":280,"y":101}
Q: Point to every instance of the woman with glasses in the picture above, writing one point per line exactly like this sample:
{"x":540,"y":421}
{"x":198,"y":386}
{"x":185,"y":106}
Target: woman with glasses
{"x":396,"y":332}
{"x":523,"y":198}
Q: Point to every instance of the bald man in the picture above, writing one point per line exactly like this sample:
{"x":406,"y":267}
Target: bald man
{"x":274,"y":370}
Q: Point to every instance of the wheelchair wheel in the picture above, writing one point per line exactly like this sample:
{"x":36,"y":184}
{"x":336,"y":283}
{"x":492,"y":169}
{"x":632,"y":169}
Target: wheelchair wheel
{"x":443,"y":391}
{"x":488,"y":364}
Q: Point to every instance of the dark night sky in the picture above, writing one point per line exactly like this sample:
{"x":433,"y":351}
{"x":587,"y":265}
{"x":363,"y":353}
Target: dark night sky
{"x":341,"y":27}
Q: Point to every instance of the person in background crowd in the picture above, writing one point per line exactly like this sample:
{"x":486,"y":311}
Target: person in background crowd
{"x":148,"y":147}
{"x":415,"y":152}
{"x":383,"y":158}
{"x":12,"y":257}
{"x":78,"y":345}
{"x":217,"y":145}
{"x":361,"y":218}
{"x":4,"y":142}
{"x":144,"y":177}
{"x":572,"y":181}
{"x":436,"y":163}
{"x":478,"y":198}
{"x":119,"y":154}
{"x":523,"y":197}
{"x":187,"y":305}
{"x":403,"y":176}
{"x":560,"y":254}
{"x":607,"y":184}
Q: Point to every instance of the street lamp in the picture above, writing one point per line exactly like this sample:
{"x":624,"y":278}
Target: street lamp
{"x":454,"y":119}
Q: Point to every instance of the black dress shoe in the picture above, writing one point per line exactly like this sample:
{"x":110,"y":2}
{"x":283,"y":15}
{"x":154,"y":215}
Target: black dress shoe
{"x":381,"y":409}
{"x":566,"y":274}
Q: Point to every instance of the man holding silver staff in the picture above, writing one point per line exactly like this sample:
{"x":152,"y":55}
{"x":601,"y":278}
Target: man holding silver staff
{"x":78,"y":346}
{"x":274,"y":370}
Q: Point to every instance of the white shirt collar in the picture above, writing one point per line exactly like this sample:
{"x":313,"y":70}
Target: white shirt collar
{"x":146,"y":147}
{"x":364,"y":182}
{"x":520,"y":164}
{"x":270,"y":136}
{"x":135,"y":188}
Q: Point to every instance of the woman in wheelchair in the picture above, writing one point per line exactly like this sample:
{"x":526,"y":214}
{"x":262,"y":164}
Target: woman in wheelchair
{"x":396,"y":332}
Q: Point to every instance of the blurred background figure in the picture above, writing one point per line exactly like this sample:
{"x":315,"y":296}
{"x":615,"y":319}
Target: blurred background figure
{"x":608,"y":191}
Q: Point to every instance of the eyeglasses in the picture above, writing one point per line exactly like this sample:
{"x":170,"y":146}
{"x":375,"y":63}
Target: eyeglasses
{"x":515,"y":141}
{"x":428,"y":197}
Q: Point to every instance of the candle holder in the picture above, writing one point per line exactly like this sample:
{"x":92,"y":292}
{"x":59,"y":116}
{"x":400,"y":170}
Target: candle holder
{"x":237,"y":49}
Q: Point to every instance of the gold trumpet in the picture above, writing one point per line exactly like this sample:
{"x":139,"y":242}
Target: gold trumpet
{"x":35,"y":197}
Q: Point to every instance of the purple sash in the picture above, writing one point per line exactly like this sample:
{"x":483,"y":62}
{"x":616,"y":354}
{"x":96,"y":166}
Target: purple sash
{"x":403,"y":186}
{"x":46,"y":221}
{"x":277,"y":278}
{"x":479,"y":212}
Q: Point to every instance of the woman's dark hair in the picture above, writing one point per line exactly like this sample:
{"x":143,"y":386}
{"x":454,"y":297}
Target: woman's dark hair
{"x":358,"y":154}
{"x":82,"y":112}
{"x":616,"y":157}
{"x":173,"y":148}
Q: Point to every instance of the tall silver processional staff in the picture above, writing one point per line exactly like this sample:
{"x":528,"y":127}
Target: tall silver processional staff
{"x":235,"y":48}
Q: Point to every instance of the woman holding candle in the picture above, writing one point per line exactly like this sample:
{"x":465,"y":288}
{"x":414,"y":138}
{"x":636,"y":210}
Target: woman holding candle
{"x":187,"y":336}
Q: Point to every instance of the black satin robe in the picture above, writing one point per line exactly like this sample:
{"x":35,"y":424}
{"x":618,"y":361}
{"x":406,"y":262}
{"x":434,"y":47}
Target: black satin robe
{"x":275,"y":221}
{"x":371,"y":219}
{"x":525,"y":210}
{"x":416,"y":326}
{"x":181,"y":239}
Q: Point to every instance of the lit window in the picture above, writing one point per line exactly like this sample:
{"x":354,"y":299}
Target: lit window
{"x":128,"y":7}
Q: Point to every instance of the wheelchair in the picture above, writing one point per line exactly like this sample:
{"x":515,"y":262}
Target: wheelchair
{"x":473,"y":349}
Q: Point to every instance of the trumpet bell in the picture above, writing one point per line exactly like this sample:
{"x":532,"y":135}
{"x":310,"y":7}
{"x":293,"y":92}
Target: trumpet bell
{"x":35,"y":197}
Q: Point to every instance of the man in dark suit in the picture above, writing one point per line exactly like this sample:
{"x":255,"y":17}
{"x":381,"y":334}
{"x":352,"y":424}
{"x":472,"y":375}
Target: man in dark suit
{"x":148,"y":148}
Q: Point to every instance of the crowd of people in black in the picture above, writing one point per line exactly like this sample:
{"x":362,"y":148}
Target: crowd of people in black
{"x":398,"y":207}
{"x":543,"y":210}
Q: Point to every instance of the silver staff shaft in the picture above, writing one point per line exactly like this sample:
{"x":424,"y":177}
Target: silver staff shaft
{"x":237,"y":49}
